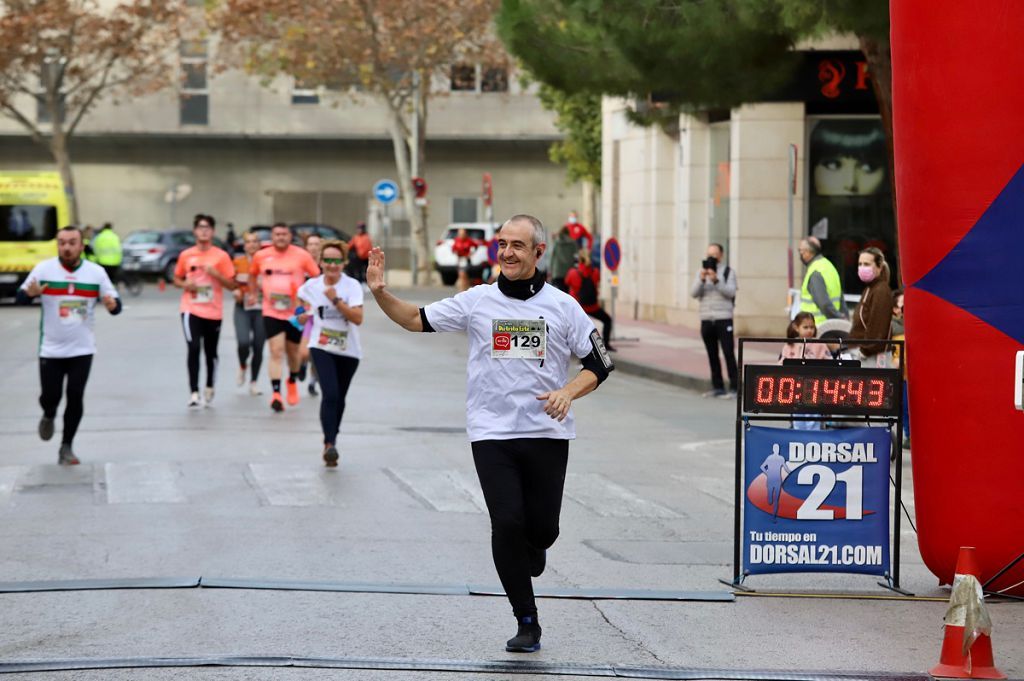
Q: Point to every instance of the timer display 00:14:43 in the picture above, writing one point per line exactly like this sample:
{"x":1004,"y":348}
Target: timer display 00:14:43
{"x":801,"y":391}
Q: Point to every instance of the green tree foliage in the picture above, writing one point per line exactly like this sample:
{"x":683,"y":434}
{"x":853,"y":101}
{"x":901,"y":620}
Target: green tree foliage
{"x":689,"y":55}
{"x":578,"y":115}
{"x":699,"y":54}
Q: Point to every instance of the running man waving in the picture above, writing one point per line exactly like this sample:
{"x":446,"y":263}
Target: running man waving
{"x":522,"y":335}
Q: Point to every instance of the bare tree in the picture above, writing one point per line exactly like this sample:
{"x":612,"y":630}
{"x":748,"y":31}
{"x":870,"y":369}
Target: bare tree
{"x":387,"y":48}
{"x":58,"y":58}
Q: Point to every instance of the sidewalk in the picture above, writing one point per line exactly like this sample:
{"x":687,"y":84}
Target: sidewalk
{"x":669,"y":353}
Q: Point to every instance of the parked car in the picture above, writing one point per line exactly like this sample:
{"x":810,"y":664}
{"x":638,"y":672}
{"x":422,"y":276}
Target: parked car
{"x":445,"y":261}
{"x":156,"y":251}
{"x":325,"y":232}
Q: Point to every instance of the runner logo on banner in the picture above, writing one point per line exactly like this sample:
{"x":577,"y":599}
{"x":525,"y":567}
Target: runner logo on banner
{"x":816,"y":501}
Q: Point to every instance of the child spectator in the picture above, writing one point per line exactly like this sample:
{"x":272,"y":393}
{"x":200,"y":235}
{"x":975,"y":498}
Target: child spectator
{"x":803,"y":326}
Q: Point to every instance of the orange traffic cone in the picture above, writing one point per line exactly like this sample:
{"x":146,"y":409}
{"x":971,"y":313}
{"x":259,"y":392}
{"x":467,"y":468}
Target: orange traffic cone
{"x":162,"y":285}
{"x":966,"y":646}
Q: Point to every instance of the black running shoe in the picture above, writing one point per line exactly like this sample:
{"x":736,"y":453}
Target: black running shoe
{"x":528,"y":638}
{"x":330,"y":456}
{"x":302,"y":372}
{"x":538,"y":560}
{"x":45,"y":428}
{"x":312,"y":388}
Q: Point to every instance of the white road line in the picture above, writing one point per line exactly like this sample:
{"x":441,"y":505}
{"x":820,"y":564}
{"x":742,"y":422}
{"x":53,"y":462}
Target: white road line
{"x":610,"y":500}
{"x":717,"y":488}
{"x":448,"y":491}
{"x":8,"y":479}
{"x":706,"y":444}
{"x":290,"y":485}
{"x":143,"y":483}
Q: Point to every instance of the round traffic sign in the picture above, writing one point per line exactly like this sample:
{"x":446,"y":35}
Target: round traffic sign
{"x":612,"y":254}
{"x":385,"y":191}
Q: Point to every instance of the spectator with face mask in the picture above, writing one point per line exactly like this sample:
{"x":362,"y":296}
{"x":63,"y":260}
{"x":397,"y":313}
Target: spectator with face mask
{"x":873,"y":317}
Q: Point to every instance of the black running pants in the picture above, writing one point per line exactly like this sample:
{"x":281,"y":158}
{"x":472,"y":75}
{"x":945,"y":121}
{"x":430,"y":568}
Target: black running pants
{"x":335,"y":374}
{"x":715,"y":333}
{"x":52,"y":372}
{"x":201,"y":333}
{"x":522,"y":482}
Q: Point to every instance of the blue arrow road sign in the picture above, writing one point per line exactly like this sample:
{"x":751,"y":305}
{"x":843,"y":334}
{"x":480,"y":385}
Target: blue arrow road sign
{"x":385,"y":191}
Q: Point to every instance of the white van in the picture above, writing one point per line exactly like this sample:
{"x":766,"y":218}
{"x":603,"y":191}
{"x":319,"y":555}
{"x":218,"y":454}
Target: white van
{"x":445,"y":262}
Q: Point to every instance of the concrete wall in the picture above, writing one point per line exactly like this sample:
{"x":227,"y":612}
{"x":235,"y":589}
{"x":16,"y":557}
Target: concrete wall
{"x":241,"y":106}
{"x":124,"y":179}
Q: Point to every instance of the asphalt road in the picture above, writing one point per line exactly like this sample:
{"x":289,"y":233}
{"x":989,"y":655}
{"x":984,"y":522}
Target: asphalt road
{"x":235,"y":492}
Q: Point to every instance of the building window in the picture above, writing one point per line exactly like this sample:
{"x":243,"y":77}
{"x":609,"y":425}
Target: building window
{"x":494,"y":79}
{"x":465,"y":209}
{"x":464,"y":78}
{"x":194,"y":97}
{"x":304,"y":93}
{"x":477,"y":78}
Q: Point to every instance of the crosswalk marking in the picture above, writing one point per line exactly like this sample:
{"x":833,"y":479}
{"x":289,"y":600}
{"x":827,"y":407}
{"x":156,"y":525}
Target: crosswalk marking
{"x":290,"y":485}
{"x":442,"y":490}
{"x":719,"y":488}
{"x":610,"y":500}
{"x":8,"y":479}
{"x":143,"y":483}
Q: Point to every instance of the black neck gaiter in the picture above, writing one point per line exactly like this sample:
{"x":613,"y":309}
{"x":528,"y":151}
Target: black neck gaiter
{"x":521,"y":289}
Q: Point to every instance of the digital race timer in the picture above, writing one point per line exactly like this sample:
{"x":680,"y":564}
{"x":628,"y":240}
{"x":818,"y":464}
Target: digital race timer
{"x":820,"y":388}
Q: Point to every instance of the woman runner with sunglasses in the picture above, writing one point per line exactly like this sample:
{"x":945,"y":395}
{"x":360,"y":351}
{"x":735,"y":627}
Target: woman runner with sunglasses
{"x":334,"y":301}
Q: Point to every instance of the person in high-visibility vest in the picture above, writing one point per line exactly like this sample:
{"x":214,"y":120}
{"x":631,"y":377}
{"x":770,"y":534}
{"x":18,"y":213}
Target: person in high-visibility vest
{"x":106,"y":249}
{"x":822,"y":292}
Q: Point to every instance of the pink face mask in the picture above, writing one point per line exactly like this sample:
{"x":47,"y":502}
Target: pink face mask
{"x":866,"y":273}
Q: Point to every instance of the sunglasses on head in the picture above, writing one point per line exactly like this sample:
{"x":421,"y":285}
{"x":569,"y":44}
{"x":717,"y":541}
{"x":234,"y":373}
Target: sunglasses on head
{"x":331,"y":261}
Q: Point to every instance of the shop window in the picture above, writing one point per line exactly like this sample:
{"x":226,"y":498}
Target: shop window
{"x":850,"y":196}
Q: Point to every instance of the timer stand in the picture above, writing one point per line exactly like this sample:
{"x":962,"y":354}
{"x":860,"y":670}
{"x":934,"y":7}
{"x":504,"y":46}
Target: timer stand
{"x":829,"y":392}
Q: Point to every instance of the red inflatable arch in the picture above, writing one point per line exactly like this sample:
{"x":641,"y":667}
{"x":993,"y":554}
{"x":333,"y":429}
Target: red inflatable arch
{"x":959,"y":140}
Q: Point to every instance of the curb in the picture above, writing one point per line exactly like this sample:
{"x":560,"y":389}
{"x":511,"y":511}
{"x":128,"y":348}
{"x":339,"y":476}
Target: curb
{"x":655,"y":373}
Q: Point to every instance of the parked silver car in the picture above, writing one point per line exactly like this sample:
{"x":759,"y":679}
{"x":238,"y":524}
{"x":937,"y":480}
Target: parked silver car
{"x":155,"y":251}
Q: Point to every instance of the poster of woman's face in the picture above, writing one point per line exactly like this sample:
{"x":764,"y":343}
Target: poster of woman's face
{"x":849,"y":186}
{"x":848,"y":157}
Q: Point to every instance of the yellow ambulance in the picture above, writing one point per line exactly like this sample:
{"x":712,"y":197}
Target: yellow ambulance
{"x":32,"y":207}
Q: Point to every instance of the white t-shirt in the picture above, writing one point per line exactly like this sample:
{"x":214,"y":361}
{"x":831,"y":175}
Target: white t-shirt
{"x":331,"y":331}
{"x":68,"y":300}
{"x":518,"y":349}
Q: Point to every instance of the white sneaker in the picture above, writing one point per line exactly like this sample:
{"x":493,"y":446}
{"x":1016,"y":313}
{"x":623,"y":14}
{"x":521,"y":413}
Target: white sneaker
{"x":194,"y":401}
{"x":254,"y":389}
{"x":241,"y":376}
{"x":208,"y":395}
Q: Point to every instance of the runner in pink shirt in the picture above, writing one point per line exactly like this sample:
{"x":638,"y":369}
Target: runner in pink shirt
{"x":203,"y":271}
{"x":282,"y":268}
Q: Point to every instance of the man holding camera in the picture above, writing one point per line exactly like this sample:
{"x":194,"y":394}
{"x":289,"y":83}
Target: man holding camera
{"x":715,"y":288}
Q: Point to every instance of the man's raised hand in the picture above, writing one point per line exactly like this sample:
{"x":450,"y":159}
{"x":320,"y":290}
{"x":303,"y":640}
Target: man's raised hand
{"x":375,"y":270}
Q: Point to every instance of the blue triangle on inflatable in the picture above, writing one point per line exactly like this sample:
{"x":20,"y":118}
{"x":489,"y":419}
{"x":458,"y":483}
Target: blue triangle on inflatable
{"x":984,"y":273}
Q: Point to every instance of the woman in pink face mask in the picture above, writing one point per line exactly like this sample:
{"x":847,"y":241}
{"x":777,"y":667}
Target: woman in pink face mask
{"x":873,"y":316}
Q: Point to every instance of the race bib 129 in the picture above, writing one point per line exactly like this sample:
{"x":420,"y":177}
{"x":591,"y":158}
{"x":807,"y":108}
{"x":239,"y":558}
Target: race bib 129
{"x":518,"y":339}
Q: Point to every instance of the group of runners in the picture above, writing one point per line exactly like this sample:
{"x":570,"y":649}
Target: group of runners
{"x":522,"y":336}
